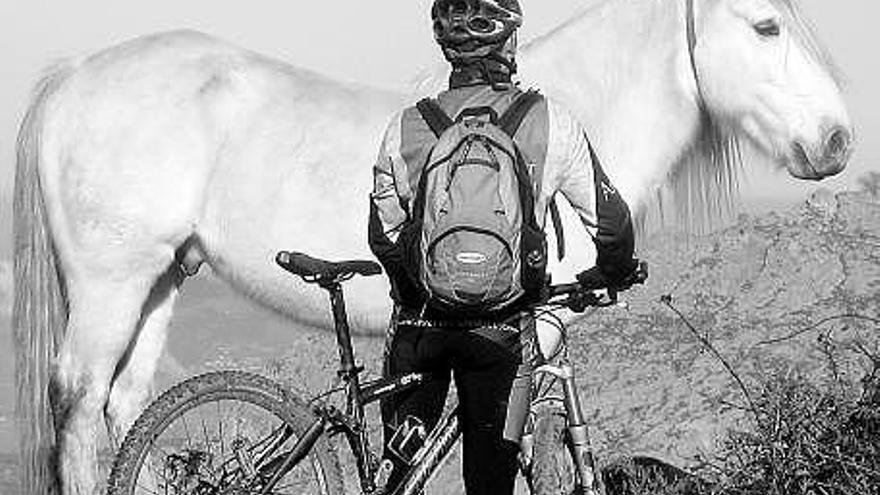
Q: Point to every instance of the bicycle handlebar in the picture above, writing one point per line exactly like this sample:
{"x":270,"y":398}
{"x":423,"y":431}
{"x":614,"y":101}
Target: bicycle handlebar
{"x":578,"y":296}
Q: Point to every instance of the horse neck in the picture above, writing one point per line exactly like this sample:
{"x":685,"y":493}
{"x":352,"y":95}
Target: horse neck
{"x":623,"y":69}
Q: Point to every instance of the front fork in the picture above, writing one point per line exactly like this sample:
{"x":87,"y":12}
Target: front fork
{"x":579,"y":445}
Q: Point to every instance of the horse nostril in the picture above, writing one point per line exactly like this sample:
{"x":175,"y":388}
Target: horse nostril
{"x":837,"y":143}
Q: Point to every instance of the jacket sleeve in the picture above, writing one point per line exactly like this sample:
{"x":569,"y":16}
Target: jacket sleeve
{"x":389,"y":212}
{"x":389,"y":201}
{"x":575,"y":170}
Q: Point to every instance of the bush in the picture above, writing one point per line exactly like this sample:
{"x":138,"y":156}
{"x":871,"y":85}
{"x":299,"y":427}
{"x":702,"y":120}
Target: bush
{"x":808,"y":439}
{"x":646,"y":475}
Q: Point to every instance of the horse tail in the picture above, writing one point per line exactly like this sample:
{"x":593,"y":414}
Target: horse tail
{"x":39,"y":314}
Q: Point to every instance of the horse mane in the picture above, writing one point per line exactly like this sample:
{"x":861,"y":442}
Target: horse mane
{"x":701,"y":189}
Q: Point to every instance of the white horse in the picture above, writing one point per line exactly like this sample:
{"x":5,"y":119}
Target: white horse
{"x":177,"y":148}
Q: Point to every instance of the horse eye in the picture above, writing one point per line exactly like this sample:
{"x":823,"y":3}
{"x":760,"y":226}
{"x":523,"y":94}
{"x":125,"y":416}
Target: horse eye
{"x":767,"y":28}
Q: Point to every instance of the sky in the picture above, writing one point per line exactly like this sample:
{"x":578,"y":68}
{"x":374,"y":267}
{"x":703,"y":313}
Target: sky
{"x":377,"y":42}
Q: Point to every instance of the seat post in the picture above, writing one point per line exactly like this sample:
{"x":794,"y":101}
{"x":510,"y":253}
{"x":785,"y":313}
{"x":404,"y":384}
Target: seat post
{"x":343,"y":334}
{"x":348,"y":370}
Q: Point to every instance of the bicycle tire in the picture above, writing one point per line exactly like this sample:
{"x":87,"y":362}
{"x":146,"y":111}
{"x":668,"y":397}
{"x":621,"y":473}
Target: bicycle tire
{"x":256,"y":392}
{"x":552,"y":469}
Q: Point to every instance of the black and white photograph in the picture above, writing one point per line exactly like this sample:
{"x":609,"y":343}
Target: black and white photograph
{"x":476,"y":247}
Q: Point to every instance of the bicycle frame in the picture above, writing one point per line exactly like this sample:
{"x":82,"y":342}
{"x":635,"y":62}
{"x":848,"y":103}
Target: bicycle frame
{"x":438,"y":444}
{"x":352,"y":422}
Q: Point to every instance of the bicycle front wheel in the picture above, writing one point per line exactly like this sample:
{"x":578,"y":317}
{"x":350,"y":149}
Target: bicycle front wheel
{"x":226,"y":432}
{"x":553,"y":470}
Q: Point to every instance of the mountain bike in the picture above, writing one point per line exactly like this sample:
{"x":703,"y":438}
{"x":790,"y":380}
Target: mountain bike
{"x":232,"y":432}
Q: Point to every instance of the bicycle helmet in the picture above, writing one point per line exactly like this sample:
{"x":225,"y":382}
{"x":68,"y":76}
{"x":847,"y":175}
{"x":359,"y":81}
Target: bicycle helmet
{"x":478,"y":37}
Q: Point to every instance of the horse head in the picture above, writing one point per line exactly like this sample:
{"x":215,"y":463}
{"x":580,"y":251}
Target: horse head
{"x":760,"y":70}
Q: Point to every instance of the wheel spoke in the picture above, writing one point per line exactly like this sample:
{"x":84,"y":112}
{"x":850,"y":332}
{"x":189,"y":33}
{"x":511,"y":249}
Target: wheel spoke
{"x":186,"y":430}
{"x":220,"y":428}
{"x":205,"y":433}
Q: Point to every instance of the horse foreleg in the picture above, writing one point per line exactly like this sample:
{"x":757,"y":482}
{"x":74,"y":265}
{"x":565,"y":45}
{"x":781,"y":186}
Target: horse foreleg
{"x":132,"y":386}
{"x":103,"y":320}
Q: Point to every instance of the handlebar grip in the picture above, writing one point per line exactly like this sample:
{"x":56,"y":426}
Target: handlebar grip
{"x":637,"y":276}
{"x":594,"y":279}
{"x":582,"y":294}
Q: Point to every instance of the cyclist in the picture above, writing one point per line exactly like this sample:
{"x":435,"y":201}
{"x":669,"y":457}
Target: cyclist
{"x":489,"y":361}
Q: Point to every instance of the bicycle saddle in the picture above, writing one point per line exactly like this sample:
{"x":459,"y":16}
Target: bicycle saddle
{"x":317,"y":270}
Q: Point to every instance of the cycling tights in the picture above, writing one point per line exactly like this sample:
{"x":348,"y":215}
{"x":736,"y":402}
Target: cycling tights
{"x":491,"y":366}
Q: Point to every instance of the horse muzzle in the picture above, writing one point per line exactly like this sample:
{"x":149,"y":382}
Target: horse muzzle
{"x":826,"y":159}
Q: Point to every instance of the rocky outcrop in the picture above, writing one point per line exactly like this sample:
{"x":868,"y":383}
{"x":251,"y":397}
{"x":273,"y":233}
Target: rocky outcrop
{"x":778,"y":293}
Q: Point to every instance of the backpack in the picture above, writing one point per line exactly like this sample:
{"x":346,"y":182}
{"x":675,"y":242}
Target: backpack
{"x":474,"y":244}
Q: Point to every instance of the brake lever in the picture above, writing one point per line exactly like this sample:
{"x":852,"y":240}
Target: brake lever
{"x":581,"y":301}
{"x":577,"y":303}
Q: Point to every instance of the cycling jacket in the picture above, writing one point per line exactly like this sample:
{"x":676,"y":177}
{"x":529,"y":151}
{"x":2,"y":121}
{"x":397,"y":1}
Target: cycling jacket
{"x":557,"y":153}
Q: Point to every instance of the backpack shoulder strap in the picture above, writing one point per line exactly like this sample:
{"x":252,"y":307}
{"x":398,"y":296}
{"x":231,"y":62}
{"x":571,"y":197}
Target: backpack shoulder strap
{"x":556,"y":220}
{"x":434,"y":116}
{"x":512,"y":118}
{"x":510,"y":122}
